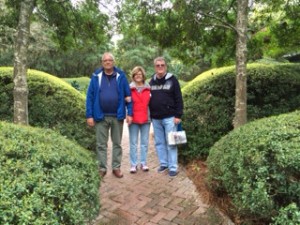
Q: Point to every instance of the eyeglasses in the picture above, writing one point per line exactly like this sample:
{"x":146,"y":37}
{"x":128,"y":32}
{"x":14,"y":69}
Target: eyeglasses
{"x":107,"y":60}
{"x":160,"y":65}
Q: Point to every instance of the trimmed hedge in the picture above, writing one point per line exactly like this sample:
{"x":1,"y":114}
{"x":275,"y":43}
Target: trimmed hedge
{"x":209,"y":102}
{"x":258,"y":166}
{"x":45,"y":178}
{"x":79,"y":83}
{"x":52,"y":103}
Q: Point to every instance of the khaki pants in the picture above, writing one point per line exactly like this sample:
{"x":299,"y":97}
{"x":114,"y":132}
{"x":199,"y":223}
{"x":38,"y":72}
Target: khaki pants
{"x":115,"y":127}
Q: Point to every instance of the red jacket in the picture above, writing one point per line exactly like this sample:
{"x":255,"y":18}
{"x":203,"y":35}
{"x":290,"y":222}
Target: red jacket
{"x":140,"y":102}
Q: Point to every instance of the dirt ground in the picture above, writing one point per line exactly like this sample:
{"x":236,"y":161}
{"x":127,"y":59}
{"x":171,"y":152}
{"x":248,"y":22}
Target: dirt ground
{"x":197,"y":171}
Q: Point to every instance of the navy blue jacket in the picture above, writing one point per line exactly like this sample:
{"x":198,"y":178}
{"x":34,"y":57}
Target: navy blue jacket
{"x":166,"y":98}
{"x":93,"y":107}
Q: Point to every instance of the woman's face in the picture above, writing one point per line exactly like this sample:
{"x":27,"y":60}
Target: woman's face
{"x":138,"y":77}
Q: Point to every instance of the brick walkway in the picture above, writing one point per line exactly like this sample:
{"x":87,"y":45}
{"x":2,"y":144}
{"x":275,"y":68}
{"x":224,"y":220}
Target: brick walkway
{"x":151,"y":198}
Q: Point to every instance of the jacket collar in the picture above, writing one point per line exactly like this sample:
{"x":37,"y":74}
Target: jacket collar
{"x":167,"y":76}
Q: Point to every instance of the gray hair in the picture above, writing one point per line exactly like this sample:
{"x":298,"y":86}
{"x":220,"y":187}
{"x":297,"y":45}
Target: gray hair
{"x":109,"y":54}
{"x":160,"y":58}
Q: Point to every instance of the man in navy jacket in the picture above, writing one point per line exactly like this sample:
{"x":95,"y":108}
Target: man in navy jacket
{"x":106,"y":110}
{"x":166,"y":109}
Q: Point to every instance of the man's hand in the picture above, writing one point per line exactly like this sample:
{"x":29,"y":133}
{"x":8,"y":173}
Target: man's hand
{"x":177,"y":120}
{"x":90,"y":122}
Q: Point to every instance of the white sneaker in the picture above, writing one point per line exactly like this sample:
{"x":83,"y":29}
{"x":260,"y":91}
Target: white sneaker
{"x":133,"y":169}
{"x":144,"y":168}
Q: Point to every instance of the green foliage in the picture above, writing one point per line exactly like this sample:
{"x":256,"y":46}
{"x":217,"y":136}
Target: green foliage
{"x":136,"y":50}
{"x":69,"y":22}
{"x":258,"y":166}
{"x":133,"y":51}
{"x":45,"y":178}
{"x":65,"y":40}
{"x":75,"y":85}
{"x":274,"y":29}
{"x":52,"y":103}
{"x":289,"y":215}
{"x":8,"y":20}
{"x":9,"y":12}
{"x":183,"y":27}
{"x":80,"y":83}
{"x":71,"y":63}
{"x":202,"y":33}
{"x":209,"y":101}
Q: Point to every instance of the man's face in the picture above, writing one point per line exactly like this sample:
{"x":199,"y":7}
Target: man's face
{"x":160,"y":68}
{"x":107,"y":62}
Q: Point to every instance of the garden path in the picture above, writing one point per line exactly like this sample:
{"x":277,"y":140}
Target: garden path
{"x":150,"y":198}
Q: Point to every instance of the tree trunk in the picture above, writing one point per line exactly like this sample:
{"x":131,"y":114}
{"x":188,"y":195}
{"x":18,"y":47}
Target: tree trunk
{"x":20,"y":63}
{"x":240,"y":117}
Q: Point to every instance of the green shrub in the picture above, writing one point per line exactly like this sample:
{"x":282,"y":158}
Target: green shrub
{"x":52,"y":103}
{"x":210,"y":98}
{"x":45,"y":178}
{"x":289,"y":215}
{"x":258,"y":166}
{"x":79,"y":83}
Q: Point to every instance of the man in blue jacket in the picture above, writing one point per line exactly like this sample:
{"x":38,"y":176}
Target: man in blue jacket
{"x":106,"y":110}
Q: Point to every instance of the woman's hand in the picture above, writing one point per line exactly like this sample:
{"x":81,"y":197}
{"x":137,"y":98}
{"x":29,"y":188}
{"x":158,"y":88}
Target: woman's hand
{"x":129,"y":119}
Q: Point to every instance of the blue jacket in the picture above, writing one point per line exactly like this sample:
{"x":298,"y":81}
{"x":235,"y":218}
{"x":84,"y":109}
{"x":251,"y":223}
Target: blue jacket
{"x":93,"y":108}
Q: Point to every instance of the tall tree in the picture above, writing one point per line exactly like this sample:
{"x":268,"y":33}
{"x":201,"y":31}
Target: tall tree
{"x":240,"y":116}
{"x":218,"y":29}
{"x":208,"y":24}
{"x":20,"y":63}
{"x":69,"y":22}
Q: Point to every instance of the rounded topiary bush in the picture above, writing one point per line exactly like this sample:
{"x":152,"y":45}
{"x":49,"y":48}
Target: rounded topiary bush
{"x":210,"y":98}
{"x":79,"y":83}
{"x":52,"y":103}
{"x":45,"y":178}
{"x":258,"y":166}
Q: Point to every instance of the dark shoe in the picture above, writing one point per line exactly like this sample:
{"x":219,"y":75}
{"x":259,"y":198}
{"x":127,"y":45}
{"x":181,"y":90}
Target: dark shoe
{"x":161,"y":169}
{"x":117,"y":173}
{"x":102,"y":173}
{"x":173,"y":173}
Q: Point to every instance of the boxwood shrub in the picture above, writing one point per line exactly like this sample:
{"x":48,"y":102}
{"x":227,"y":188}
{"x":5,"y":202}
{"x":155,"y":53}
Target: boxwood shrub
{"x":45,"y":178}
{"x":79,"y":83}
{"x":258,"y":166}
{"x":209,"y":101}
{"x":52,"y":103}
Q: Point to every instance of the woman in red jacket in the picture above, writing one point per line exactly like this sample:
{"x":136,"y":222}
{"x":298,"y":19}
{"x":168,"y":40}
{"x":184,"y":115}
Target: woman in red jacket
{"x":140,"y":126}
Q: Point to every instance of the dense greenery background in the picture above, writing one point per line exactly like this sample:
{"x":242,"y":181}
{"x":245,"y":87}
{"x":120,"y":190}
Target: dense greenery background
{"x":273,"y":89}
{"x":67,"y":41}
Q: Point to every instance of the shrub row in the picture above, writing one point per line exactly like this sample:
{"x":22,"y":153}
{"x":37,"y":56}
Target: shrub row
{"x":258,"y":166}
{"x":45,"y":178}
{"x":79,"y":83}
{"x":209,"y":101}
{"x":52,"y":103}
